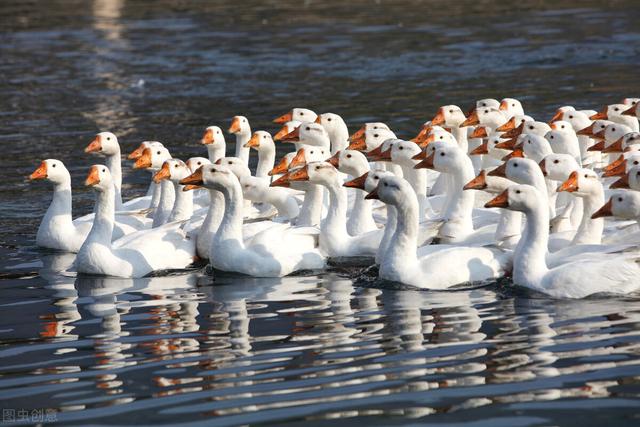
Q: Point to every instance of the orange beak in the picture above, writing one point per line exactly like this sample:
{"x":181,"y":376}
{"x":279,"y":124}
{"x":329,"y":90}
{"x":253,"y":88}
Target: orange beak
{"x":623,"y":182}
{"x":606,"y":210}
{"x":616,"y":163}
{"x":40,"y":173}
{"x":481,"y":149}
{"x":207,"y":138}
{"x":438,"y":119}
{"x":235,"y":125}
{"x":254,"y":141}
{"x":358,"y":134}
{"x":504,"y":106}
{"x":599,"y":135}
{"x":163,"y":173}
{"x":335,"y":160}
{"x":471,"y":120}
{"x":477,"y":183}
{"x":299,"y":160}
{"x":144,"y":161}
{"x":588,"y":131}
{"x":616,"y":147}
{"x":426,"y":129}
{"x":283,"y":181}
{"x":281,"y":167}
{"x":421,"y":155}
{"x":385,"y":156}
{"x":357,"y":182}
{"x":193,"y":181}
{"x":499,"y":171}
{"x":598,"y":146}
{"x":359,"y":144}
{"x":426,"y":163}
{"x":602,"y":115}
{"x":284,"y":130}
{"x":500,"y":201}
{"x":509,"y":144}
{"x":513,"y":133}
{"x":93,"y":177}
{"x":284,"y":118}
{"x":630,"y":111}
{"x":373,"y":195}
{"x":479,"y":132}
{"x":543,"y":166}
{"x":515,"y":153}
{"x":94,"y":146}
{"x":571,"y":184}
{"x":301,"y":174}
{"x":557,"y":116}
{"x":426,"y":141}
{"x":135,"y":154}
{"x":373,"y":155}
{"x":511,"y":124}
{"x":293,"y":136}
{"x":616,"y":169}
{"x":318,"y":120}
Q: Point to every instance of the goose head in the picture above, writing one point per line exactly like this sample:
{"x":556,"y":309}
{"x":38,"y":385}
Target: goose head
{"x":261,"y":141}
{"x":333,"y":123}
{"x":488,"y":102}
{"x":349,"y":161}
{"x":513,"y":123}
{"x":99,"y":178}
{"x":558,"y":166}
{"x":234,"y":165}
{"x":392,"y":190}
{"x":299,"y":114}
{"x":403,"y":152}
{"x":595,"y":127}
{"x":195,"y":162}
{"x":173,"y":169}
{"x":307,"y":154}
{"x":562,"y":126}
{"x":622,"y":164}
{"x":254,"y":188}
{"x":152,"y":158}
{"x":488,"y":183}
{"x":239,"y":126}
{"x":286,"y":129}
{"x":582,"y":182}
{"x":382,"y":153}
{"x":633,"y":110}
{"x":628,"y":142}
{"x":371,"y":139}
{"x":52,"y":170}
{"x":373,"y":126}
{"x":629,"y":181}
{"x":520,"y":170}
{"x":535,"y":147}
{"x":491,"y":117}
{"x":135,"y":154}
{"x":448,"y":115}
{"x":521,"y":198}
{"x":309,"y":134}
{"x":511,"y":107}
{"x":614,"y":112}
{"x":630,"y":101}
{"x":212,"y":135}
{"x":104,"y":143}
{"x":577,"y":119}
{"x":283,"y":164}
{"x":445,"y":158}
{"x":321,"y":173}
{"x":535,"y":128}
{"x":215,"y":177}
{"x":436,"y":134}
{"x":369,"y":181}
{"x":622,"y":204}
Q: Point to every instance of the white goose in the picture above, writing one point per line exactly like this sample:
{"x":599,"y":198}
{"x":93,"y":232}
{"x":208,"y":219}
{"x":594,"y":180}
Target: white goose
{"x":175,"y":170}
{"x":300,"y":114}
{"x":106,"y":144}
{"x":242,"y":130}
{"x":576,"y":279}
{"x":263,"y":143}
{"x":615,"y":113}
{"x":258,"y":191}
{"x":275,"y":252}
{"x":442,"y":267}
{"x":337,"y":130}
{"x":213,"y":139}
{"x":153,"y":158}
{"x":135,"y":255}
{"x":152,"y":198}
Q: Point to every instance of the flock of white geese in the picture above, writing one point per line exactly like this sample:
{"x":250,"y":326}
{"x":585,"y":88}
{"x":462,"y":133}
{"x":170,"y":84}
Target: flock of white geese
{"x":567,"y":193}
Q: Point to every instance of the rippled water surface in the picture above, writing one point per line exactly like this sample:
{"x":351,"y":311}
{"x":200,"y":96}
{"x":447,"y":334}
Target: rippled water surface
{"x":318,"y":350}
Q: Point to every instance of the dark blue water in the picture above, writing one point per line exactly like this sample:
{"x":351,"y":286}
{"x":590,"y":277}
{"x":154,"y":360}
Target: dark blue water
{"x":317,"y":350}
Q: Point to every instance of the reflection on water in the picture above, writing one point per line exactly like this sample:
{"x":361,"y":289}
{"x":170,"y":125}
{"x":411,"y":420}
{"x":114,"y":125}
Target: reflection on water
{"x":234,"y":350}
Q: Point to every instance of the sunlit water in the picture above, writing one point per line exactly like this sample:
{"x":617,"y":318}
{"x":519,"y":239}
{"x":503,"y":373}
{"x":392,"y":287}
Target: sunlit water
{"x":319,"y":350}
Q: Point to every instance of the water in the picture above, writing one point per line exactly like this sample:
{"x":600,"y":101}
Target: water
{"x":317,"y":350}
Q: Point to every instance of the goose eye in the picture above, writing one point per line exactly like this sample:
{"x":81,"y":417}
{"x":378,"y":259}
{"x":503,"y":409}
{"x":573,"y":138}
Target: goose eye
{"x":376,"y":176}
{"x":562,"y":127}
{"x":199,"y":163}
{"x":329,"y":119}
{"x":400,"y":148}
{"x":556,"y":161}
{"x":615,"y":109}
{"x":531,"y":127}
{"x":586,"y":176}
{"x":308,"y":128}
{"x":302,"y":113}
{"x":483,"y":104}
{"x":53,"y":165}
{"x":442,"y":154}
{"x":244,"y":120}
{"x":451,"y":111}
{"x":376,"y":135}
{"x":230,"y":163}
{"x":515,"y":165}
{"x":441,"y":137}
{"x":517,"y":191}
{"x":551,"y":137}
{"x":264,"y":136}
{"x":571,"y":117}
{"x":317,"y":168}
{"x":104,"y":170}
{"x":108,"y":138}
{"x":386,"y":185}
{"x":348,"y":156}
{"x":620,"y":199}
{"x":175,"y":166}
{"x":218,"y":132}
{"x":613,"y":129}
{"x":486,"y":111}
{"x":513,"y":105}
{"x":635,"y":162}
{"x":158,"y":153}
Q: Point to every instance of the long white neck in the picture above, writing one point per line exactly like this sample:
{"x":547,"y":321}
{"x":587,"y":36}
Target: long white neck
{"x":165,"y":206}
{"x":509,"y":225}
{"x":216,"y":151}
{"x":361,"y":217}
{"x":266,"y":161}
{"x":211,"y":222}
{"x":339,"y":137}
{"x":459,"y":214}
{"x":114,"y":164}
{"x":590,"y":230}
{"x":529,"y":260}
{"x":389,"y":230}
{"x":59,"y":212}
{"x":231,"y":225}
{"x":418,"y":180}
{"x":334,"y":227}
{"x":311,"y":209}
{"x":460,"y":134}
{"x":401,"y":251}
{"x":183,"y":205}
{"x":102,"y":227}
{"x":242,"y":152}
{"x":285,"y":204}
